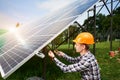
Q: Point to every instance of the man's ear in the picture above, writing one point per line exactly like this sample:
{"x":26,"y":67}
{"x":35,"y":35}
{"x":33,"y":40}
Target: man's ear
{"x":84,"y":47}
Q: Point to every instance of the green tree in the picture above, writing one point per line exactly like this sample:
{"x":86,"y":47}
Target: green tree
{"x":103,"y":24}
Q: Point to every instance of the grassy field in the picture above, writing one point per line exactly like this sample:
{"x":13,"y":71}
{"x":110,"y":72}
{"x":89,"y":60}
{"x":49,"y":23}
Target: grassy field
{"x":110,"y":67}
{"x":2,"y":31}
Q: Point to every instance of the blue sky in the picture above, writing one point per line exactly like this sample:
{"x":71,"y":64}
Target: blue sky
{"x":25,"y":11}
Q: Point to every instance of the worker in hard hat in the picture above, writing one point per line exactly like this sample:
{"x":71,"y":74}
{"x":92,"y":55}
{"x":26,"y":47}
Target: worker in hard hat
{"x":86,"y":63}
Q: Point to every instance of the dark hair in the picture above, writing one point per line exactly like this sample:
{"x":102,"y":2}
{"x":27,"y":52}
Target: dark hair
{"x":86,"y":46}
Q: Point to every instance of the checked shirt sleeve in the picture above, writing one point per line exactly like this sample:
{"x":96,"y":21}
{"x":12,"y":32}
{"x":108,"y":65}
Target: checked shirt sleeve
{"x":71,"y":59}
{"x":77,"y":67}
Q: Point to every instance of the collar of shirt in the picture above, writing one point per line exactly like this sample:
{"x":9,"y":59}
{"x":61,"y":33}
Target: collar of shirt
{"x":85,"y":54}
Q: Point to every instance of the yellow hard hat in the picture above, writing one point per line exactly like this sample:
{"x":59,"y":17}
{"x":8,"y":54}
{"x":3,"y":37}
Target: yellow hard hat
{"x":85,"y":38}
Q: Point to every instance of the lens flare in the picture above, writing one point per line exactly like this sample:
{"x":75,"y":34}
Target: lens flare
{"x":14,"y":31}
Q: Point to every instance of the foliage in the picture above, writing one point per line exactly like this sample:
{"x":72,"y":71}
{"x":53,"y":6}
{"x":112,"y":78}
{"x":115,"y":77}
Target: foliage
{"x":63,"y":37}
{"x":110,"y":67}
{"x":2,"y":40}
{"x":103,"y":24}
{"x":2,"y":31}
{"x":117,"y":11}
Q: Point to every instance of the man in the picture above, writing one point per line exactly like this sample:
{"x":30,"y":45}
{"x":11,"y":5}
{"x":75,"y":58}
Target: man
{"x":86,"y":63}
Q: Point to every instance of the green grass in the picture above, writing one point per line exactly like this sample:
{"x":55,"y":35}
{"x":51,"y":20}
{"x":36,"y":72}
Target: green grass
{"x":2,"y":40}
{"x":2,"y":31}
{"x":110,"y":67}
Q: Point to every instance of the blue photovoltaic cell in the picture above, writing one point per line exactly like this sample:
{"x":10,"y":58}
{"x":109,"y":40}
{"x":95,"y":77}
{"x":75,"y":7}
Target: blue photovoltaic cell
{"x":18,"y":48}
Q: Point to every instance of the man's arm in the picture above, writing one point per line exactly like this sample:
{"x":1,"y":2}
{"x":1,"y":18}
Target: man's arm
{"x":77,"y":67}
{"x":71,"y":59}
{"x":68,"y":58}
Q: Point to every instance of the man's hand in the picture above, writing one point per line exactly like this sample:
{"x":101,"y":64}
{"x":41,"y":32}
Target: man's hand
{"x":51,"y":54}
{"x":59,"y":53}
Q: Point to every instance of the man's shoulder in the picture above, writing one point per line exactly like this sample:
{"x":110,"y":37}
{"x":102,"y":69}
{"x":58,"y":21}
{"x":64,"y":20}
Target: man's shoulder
{"x":89,"y":56}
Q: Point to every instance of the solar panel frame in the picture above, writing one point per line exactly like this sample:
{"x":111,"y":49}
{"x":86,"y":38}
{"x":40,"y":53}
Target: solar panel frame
{"x":53,"y":35}
{"x":30,"y":56}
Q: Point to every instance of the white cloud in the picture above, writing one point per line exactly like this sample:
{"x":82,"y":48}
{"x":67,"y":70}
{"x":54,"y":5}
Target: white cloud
{"x":52,"y":5}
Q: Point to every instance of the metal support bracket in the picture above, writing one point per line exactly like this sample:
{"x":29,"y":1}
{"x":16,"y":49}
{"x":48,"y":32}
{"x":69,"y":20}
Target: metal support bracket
{"x":40,"y":54}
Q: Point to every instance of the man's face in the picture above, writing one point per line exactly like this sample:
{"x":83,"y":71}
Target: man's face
{"x":79,"y":47}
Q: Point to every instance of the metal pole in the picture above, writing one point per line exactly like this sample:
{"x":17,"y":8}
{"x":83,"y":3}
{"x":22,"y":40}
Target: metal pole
{"x":101,"y":7}
{"x":106,"y":6}
{"x":111,"y":25}
{"x":44,"y":50}
{"x":94,"y":49}
{"x":68,"y":38}
{"x":88,"y":14}
{"x":116,"y":5}
{"x":88,"y":20}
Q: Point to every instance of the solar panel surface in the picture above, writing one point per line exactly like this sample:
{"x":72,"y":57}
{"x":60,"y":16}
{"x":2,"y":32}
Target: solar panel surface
{"x":21,"y":45}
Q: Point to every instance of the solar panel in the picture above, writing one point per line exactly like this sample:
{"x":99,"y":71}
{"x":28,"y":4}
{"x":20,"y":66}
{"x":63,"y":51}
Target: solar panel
{"x":19,"y":47}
